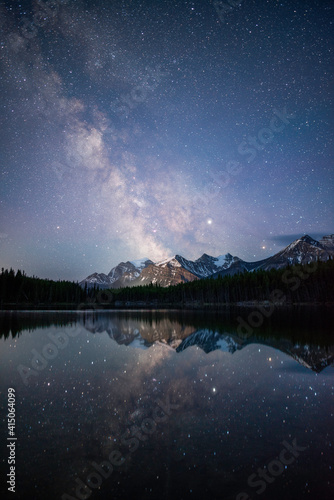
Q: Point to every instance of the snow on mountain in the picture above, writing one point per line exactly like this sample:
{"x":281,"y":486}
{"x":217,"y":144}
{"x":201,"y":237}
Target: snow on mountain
{"x":100,"y":280}
{"x":204,"y":266}
{"x":118,"y":271}
{"x":224,"y":260}
{"x":140,"y":263}
{"x":209,"y":341}
{"x":178,"y":269}
{"x":327,"y":242}
{"x":208,"y":265}
{"x":301,"y":251}
{"x":132,"y":333}
{"x":166,"y":273}
{"x":120,"y":275}
{"x":171,"y":261}
{"x":125,"y":272}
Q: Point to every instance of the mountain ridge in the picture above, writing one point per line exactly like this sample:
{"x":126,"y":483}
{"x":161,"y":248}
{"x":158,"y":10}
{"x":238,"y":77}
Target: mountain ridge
{"x":178,"y":269}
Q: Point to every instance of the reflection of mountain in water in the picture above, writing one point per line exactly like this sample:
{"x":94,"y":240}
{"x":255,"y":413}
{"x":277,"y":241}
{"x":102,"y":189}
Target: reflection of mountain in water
{"x":303,"y":334}
{"x":313,"y":357}
{"x":134,"y":333}
{"x":137,"y":333}
{"x":209,"y":340}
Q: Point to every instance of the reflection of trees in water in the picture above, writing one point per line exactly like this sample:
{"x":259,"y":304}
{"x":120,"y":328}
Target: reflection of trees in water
{"x":312,"y":326}
{"x":302,"y":325}
{"x":13,"y":323}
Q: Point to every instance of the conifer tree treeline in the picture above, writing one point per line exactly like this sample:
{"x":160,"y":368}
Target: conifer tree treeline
{"x":310,"y":283}
{"x":17,"y":288}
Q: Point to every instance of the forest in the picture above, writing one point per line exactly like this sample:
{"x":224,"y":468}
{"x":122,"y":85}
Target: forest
{"x":17,"y":288}
{"x":312,"y":283}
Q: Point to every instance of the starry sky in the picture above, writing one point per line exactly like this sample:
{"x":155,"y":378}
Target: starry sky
{"x":135,"y":129}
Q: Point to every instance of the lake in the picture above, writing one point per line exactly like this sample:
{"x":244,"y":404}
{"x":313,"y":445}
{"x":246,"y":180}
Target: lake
{"x":168,"y":404}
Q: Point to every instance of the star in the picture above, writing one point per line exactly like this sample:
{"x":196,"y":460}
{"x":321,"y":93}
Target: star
{"x":124,"y":127}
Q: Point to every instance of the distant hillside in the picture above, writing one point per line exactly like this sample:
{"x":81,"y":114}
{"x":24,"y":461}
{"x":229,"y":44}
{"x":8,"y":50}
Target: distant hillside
{"x":310,"y":283}
{"x":178,"y":269}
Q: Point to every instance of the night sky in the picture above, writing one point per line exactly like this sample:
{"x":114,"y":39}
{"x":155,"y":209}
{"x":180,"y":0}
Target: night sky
{"x":135,"y":129}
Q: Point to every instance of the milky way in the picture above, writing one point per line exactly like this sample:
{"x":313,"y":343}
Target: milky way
{"x":135,"y":129}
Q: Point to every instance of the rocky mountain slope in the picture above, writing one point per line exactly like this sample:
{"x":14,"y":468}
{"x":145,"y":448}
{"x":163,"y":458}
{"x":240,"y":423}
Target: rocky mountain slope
{"x":301,"y":251}
{"x":119,"y":276}
{"x":179,"y":269}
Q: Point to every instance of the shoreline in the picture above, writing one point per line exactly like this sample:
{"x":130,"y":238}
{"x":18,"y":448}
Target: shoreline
{"x":72,"y":307}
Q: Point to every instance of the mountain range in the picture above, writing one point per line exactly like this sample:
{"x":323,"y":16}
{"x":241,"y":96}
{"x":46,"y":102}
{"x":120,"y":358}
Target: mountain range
{"x":180,"y":337}
{"x":178,"y":269}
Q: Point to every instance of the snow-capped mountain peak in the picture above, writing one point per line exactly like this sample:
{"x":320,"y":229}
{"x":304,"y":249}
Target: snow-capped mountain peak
{"x":171,"y":261}
{"x":140,"y":263}
{"x":178,"y":269}
{"x":304,"y":239}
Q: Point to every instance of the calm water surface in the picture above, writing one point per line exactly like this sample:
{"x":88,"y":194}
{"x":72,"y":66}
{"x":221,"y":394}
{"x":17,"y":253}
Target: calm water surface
{"x":169,"y":405}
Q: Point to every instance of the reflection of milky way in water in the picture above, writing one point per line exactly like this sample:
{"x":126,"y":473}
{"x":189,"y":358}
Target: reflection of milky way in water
{"x":234,"y":411}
